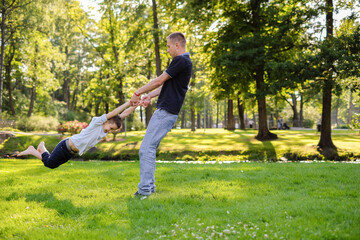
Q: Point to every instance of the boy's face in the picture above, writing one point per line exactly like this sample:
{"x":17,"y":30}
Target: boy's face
{"x":109,"y":126}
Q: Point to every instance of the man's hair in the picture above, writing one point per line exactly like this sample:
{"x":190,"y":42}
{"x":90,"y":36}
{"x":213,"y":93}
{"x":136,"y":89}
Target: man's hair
{"x":178,"y":37}
{"x":117,"y":120}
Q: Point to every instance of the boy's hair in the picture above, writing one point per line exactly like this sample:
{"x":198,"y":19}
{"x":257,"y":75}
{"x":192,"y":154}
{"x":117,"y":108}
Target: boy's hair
{"x":178,"y":37}
{"x":117,"y":120}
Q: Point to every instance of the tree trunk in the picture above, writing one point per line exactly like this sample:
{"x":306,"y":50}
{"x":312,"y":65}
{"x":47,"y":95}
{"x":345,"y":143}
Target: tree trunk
{"x":183,"y":123}
{"x":217,"y":114}
{"x":198,"y":120}
{"x":66,"y":88}
{"x":97,"y":107}
{"x":148,"y":110}
{"x":301,"y":110}
{"x":254,"y":119}
{"x":107,"y":107}
{"x":192,"y":119}
{"x":263,"y":133}
{"x":337,"y":111}
{"x":141,"y":114}
{"x":295,"y":112}
{"x":156,"y":38}
{"x":192,"y":101}
{"x":11,"y":101}
{"x":148,"y":114}
{"x":350,"y":107}
{"x":2,"y":52}
{"x":75,"y":94}
{"x":241,"y":114}
{"x":326,"y":145}
{"x":32,"y":99}
{"x":225,"y":115}
{"x":8,"y":68}
{"x":74,"y":100}
{"x":33,"y":89}
{"x":231,"y":118}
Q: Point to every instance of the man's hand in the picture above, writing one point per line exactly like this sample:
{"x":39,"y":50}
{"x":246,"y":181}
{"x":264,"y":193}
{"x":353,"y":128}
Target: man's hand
{"x":134,"y":101}
{"x":145,"y":101}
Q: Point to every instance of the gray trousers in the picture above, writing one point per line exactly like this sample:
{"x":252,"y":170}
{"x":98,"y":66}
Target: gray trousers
{"x":160,"y":124}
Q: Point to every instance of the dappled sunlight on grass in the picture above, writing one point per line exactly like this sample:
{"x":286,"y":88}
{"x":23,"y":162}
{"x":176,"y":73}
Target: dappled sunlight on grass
{"x":211,"y":144}
{"x":90,"y":200}
{"x":211,"y":183}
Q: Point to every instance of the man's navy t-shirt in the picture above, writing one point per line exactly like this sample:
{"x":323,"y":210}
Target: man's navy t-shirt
{"x":173,"y":91}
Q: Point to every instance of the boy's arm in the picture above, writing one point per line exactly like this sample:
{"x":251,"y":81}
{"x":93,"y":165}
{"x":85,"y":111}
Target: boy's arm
{"x":117,"y":110}
{"x":127,"y":112}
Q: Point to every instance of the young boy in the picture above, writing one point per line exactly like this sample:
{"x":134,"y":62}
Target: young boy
{"x":82,"y":142}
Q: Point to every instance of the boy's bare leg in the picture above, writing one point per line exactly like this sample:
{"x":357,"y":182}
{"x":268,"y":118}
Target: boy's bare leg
{"x":41,"y":148}
{"x":31,"y":151}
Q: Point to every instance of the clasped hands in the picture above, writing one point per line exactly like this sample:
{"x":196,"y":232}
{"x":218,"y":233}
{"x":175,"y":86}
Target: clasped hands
{"x":137,"y":100}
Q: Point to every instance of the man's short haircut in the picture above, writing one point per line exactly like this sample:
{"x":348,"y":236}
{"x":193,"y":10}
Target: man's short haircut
{"x":178,"y":37}
{"x":117,"y":120}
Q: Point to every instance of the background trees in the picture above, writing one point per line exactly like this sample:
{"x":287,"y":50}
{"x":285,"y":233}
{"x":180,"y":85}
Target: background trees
{"x":253,"y":59}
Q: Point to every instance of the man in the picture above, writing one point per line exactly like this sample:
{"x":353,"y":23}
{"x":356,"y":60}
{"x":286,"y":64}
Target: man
{"x":171,"y":87}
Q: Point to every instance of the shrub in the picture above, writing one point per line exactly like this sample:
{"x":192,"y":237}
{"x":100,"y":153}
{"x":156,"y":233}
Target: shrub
{"x":308,"y":123}
{"x":344,"y":126}
{"x":356,"y":121}
{"x":72,"y":127}
{"x":36,"y":123}
{"x":70,"y":116}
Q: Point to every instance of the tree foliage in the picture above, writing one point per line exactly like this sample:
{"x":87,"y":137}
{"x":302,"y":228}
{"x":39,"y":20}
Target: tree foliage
{"x":269,"y":55}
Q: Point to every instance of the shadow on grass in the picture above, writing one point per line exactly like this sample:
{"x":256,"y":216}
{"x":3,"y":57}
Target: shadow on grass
{"x":265,"y":152}
{"x":63,"y":207}
{"x":92,"y":217}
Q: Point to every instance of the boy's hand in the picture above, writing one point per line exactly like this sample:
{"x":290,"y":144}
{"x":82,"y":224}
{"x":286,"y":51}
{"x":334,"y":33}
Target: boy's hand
{"x":134,"y":101}
{"x":145,"y":101}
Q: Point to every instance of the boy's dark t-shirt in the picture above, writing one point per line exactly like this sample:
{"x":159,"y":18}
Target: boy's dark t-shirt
{"x":173,"y":92}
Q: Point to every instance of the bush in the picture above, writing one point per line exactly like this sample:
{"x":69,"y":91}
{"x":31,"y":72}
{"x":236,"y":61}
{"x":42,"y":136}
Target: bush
{"x":344,"y":126}
{"x":308,"y":123}
{"x":37,"y":123}
{"x":356,"y":121}
{"x":70,"y":116}
{"x":72,"y":127}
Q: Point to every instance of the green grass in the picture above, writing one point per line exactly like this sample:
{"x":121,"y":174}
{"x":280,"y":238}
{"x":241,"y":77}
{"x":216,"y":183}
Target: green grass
{"x":93,"y":200}
{"x":213,"y":144}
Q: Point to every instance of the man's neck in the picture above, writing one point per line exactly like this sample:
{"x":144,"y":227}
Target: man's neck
{"x":181,"y":52}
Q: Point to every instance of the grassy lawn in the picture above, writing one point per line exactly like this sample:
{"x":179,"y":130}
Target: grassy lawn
{"x":213,"y":144}
{"x":93,"y":200}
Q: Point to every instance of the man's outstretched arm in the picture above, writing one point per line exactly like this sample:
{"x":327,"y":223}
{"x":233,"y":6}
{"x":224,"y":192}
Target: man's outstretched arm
{"x":153,"y":84}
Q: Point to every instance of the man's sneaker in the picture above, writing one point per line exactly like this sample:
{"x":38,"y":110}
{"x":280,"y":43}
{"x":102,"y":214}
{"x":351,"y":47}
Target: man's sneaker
{"x":137,"y":194}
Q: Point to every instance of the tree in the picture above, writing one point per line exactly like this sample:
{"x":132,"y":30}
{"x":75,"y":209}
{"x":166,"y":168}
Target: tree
{"x":326,"y":145}
{"x":249,"y":39}
{"x":335,"y":55}
{"x":7,"y":8}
